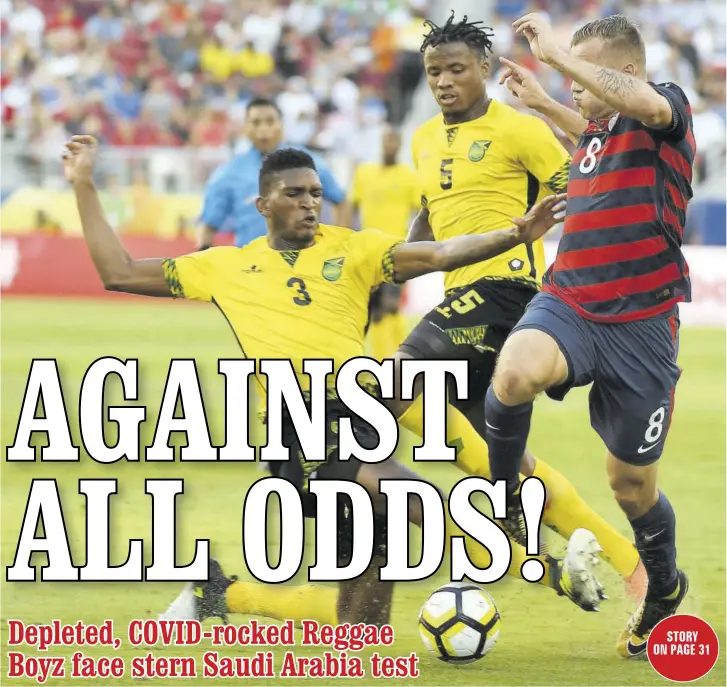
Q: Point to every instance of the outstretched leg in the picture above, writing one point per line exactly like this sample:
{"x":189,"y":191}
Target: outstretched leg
{"x":565,"y":510}
{"x":572,"y":577}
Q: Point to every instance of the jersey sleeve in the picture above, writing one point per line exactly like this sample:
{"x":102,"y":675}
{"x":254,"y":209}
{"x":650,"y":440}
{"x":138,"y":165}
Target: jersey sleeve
{"x":191,"y":276}
{"x":374,"y":252}
{"x":218,"y":200}
{"x":680,"y":111}
{"x":543,"y":155}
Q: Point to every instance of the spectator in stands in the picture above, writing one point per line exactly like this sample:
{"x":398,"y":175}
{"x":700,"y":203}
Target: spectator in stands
{"x":160,"y":102}
{"x":125,"y":103}
{"x":105,"y":26}
{"x":27,"y":20}
{"x":253,"y":63}
{"x":333,"y":68}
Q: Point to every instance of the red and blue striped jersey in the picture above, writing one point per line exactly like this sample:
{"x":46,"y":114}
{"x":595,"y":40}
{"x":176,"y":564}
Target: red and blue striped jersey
{"x":620,"y":257}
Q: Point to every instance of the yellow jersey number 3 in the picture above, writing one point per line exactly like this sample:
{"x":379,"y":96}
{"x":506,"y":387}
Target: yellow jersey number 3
{"x":302,"y":297}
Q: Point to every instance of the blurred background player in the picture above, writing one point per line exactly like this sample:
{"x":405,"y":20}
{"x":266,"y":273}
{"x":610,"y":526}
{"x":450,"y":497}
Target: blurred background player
{"x":608,"y":314}
{"x":479,"y":162}
{"x":280,"y":288}
{"x":232,"y":189}
{"x":386,"y":196}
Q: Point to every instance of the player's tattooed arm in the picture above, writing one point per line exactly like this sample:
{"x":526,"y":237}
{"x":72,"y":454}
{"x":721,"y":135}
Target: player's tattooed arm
{"x":420,"y":229}
{"x":117,"y":269}
{"x":624,"y":92}
{"x":410,"y":260}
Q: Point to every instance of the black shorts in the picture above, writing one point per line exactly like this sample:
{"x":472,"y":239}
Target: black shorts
{"x":632,"y":367}
{"x":299,"y":472}
{"x":471,"y":323}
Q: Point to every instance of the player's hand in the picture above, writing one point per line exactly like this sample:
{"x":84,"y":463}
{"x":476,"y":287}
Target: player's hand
{"x":542,"y":216}
{"x":523,"y":84}
{"x":79,"y":158}
{"x":541,"y":37}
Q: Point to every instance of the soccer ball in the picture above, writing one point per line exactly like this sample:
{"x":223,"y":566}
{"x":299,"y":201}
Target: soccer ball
{"x":459,"y":623}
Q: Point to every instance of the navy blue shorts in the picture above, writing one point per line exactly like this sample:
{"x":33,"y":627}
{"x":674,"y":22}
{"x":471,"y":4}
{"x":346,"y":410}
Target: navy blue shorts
{"x":632,"y":366}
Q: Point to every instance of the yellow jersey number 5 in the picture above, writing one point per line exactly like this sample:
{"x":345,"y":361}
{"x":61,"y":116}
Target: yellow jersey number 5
{"x":302,"y":297}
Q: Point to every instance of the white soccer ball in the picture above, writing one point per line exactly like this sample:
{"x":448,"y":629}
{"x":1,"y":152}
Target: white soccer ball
{"x":459,"y":623}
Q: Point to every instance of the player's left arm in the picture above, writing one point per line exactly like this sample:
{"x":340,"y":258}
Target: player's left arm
{"x":410,"y":260}
{"x":658,"y":108}
{"x":333,"y":192}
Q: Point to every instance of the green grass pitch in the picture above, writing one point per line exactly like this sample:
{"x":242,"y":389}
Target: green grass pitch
{"x":545,"y":639}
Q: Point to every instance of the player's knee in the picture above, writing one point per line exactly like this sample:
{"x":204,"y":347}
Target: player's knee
{"x":514,"y":386}
{"x":633,"y":492}
{"x":528,"y":364}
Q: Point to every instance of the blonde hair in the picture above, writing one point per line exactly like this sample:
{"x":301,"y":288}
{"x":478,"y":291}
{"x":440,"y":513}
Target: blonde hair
{"x":618,"y":31}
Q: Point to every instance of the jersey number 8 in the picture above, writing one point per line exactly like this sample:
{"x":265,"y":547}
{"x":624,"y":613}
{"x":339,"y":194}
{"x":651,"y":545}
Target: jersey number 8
{"x":588,"y":163}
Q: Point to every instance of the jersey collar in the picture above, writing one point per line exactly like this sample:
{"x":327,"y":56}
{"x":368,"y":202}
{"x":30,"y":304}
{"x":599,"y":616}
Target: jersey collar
{"x":600,"y":125}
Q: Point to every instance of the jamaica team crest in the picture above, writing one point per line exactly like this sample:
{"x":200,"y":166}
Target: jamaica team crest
{"x":478,"y":150}
{"x":332,"y":269}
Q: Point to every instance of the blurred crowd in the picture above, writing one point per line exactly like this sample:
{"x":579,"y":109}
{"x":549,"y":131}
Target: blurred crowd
{"x":140,"y":73}
{"x":177,"y":73}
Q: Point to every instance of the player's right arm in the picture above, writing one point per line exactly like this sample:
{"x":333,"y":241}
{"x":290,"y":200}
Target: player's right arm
{"x":184,"y":277}
{"x":117,"y":269}
{"x":523,"y":84}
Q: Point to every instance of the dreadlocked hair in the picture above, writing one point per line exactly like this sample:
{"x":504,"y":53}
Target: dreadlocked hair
{"x":473,"y":35}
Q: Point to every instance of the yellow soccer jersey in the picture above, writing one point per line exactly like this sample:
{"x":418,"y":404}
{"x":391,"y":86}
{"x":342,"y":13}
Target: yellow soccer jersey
{"x":311,"y":303}
{"x":387,"y":197}
{"x":476,"y":176}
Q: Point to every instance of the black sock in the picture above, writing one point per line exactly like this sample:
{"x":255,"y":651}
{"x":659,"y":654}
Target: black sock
{"x":507,"y":434}
{"x":655,"y":534}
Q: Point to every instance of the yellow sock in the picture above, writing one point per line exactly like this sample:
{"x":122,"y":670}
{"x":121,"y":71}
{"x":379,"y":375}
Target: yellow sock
{"x":481,"y":557}
{"x":304,"y":602}
{"x":566,"y":511}
{"x":472,"y":456}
